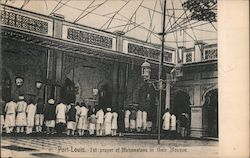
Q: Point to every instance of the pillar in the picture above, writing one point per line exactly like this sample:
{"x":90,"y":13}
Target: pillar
{"x":115,"y":84}
{"x":122,"y":80}
{"x":198,"y":51}
{"x":167,"y":103}
{"x":196,"y":111}
{"x":119,"y":41}
{"x":55,"y":62}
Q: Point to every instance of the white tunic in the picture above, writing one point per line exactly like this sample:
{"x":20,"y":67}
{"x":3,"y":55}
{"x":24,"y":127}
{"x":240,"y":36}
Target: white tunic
{"x":100,"y":116}
{"x":144,"y":119}
{"x":173,"y":122}
{"x":31,"y":112}
{"x":83,"y":119}
{"x":21,"y":119}
{"x":126,"y":118}
{"x":114,"y":120}
{"x":139,"y":119}
{"x":107,"y":123}
{"x":61,"y":110}
{"x":10,"y":110}
{"x":166,"y":121}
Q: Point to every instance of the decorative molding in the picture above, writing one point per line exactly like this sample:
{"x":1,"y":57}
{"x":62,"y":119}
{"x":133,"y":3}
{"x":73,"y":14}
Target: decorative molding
{"x":148,"y":52}
{"x":23,"y":22}
{"x":89,"y":38}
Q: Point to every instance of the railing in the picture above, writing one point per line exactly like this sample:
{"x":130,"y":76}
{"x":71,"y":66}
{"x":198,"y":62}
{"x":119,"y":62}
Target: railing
{"x":210,"y":52}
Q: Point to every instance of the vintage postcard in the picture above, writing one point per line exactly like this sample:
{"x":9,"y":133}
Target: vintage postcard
{"x":121,"y":78}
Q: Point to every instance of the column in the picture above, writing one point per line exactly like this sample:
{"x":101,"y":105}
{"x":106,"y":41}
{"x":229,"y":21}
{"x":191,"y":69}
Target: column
{"x":55,"y":62}
{"x":1,"y":73}
{"x":198,"y":51}
{"x":196,"y":111}
{"x":121,"y":97}
{"x":115,"y":84}
{"x":167,"y":104}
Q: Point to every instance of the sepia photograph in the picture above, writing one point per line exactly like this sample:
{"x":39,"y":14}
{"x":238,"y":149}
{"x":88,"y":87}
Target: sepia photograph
{"x":109,"y":78}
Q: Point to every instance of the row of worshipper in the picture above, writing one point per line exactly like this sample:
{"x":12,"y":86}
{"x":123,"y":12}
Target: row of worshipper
{"x":171,"y":125}
{"x":23,"y":117}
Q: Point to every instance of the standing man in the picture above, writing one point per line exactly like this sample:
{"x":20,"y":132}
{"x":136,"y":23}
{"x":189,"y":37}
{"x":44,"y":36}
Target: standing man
{"x":10,"y":117}
{"x":39,"y":118}
{"x":166,"y":122}
{"x":144,"y":120}
{"x":114,"y":125}
{"x":31,"y":112}
{"x":139,"y":120}
{"x":71,"y":124}
{"x":21,"y":120}
{"x":61,"y":110}
{"x":107,"y":122}
{"x":99,"y":122}
{"x":126,"y":119}
{"x":173,"y":124}
{"x":132,"y":120}
{"x":49,"y":115}
{"x":2,"y":104}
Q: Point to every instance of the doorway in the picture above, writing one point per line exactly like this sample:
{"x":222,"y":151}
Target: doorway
{"x":211,"y":107}
{"x":105,"y":96}
{"x":68,"y":91}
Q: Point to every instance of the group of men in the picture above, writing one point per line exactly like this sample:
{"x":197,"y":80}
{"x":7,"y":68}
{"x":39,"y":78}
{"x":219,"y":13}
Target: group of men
{"x":74,"y":119}
{"x":78,"y":119}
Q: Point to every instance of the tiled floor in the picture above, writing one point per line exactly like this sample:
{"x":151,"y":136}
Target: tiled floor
{"x":59,"y":147}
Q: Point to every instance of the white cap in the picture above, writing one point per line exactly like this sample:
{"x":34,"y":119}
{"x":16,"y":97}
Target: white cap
{"x":51,"y":101}
{"x":108,"y":109}
{"x":21,"y":97}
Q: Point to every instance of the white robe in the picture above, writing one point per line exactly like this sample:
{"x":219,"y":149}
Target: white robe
{"x":114,"y":120}
{"x":126,"y":118}
{"x":31,"y":112}
{"x":61,"y":110}
{"x":100,"y":116}
{"x":10,"y":117}
{"x":173,"y":122}
{"x":107,"y":123}
{"x":21,"y":119}
{"x":166,"y":121}
{"x":83,"y":119}
{"x":144,"y":120}
{"x":139,"y":119}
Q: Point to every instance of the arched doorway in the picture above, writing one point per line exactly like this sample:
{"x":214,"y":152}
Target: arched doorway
{"x":105,"y":96}
{"x":211,"y":111}
{"x":180,"y":104}
{"x":68,"y":91}
{"x":6,"y":82}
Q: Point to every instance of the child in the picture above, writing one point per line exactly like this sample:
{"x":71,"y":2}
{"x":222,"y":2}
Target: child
{"x":92,"y":122}
{"x":71,"y":124}
{"x":114,"y":123}
{"x":31,"y":112}
{"x":21,"y":120}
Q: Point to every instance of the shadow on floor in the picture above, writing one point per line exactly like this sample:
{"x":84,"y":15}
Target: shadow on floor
{"x":18,"y":148}
{"x":46,"y":155}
